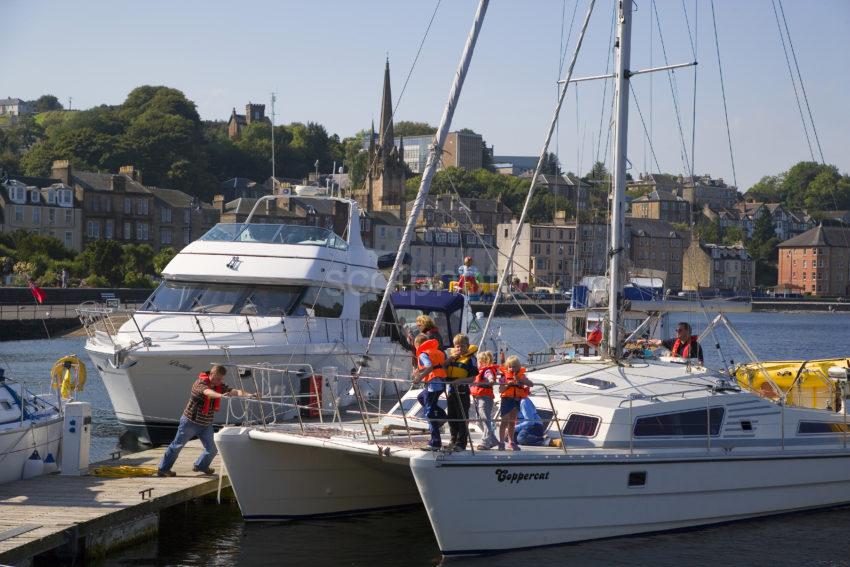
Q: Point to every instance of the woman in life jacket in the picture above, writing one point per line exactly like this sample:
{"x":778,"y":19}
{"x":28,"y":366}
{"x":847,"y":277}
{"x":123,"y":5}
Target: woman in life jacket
{"x":461,"y":370}
{"x":685,"y":345}
{"x":430,"y":369}
{"x":484,"y":398}
{"x":513,"y":388}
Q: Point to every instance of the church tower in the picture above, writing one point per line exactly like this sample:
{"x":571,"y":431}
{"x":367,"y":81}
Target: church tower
{"x":384,"y":190}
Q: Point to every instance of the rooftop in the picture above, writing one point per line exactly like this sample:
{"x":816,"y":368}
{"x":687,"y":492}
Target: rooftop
{"x":833,"y":236}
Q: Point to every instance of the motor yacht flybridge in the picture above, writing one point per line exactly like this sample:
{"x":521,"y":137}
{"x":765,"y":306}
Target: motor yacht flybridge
{"x":299,"y":297}
{"x":634,"y":442}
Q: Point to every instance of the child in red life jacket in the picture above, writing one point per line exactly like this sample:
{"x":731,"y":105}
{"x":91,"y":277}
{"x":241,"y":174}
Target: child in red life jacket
{"x":484,"y":399}
{"x":513,"y":388}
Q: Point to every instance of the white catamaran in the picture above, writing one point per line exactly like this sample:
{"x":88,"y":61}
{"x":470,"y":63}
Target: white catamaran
{"x":634,"y":445}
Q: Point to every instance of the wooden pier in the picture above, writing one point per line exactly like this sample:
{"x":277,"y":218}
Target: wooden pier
{"x":87,"y":516}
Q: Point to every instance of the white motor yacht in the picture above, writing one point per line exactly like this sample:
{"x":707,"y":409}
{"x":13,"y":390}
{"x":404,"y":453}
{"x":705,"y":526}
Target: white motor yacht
{"x":299,"y":297}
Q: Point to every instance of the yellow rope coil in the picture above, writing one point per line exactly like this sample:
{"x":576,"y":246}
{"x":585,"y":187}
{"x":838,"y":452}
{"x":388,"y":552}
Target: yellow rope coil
{"x":123,"y":471}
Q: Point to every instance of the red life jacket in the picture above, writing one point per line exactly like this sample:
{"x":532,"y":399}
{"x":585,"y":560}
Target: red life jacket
{"x":431,"y":347}
{"x":513,"y":388}
{"x":481,"y":387}
{"x":216,"y":403}
{"x":687,"y":350}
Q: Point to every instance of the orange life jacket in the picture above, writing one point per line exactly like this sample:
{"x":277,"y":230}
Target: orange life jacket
{"x":431,"y":347}
{"x":216,"y":403}
{"x":687,"y":350}
{"x":513,"y":388}
{"x":481,"y":387}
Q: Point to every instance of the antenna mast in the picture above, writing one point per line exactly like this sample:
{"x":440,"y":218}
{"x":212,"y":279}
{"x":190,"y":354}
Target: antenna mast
{"x":273,"y":177}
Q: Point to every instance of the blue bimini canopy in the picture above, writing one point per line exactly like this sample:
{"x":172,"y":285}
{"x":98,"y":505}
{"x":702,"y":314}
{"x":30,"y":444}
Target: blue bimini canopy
{"x":425,"y":300}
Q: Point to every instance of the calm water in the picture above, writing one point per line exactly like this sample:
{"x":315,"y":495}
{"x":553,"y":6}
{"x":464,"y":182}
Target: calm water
{"x":204,"y":533}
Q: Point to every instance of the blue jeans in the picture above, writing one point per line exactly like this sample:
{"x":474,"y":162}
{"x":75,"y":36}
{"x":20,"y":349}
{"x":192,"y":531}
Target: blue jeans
{"x":435,"y":415}
{"x":186,"y":431}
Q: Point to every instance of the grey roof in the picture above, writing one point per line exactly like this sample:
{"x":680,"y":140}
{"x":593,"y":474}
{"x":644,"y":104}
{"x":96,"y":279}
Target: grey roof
{"x":5,"y":101}
{"x":103,"y":182}
{"x":834,"y":236}
{"x":656,"y":195}
{"x":654,"y":228}
{"x":175,"y":198}
{"x":35,"y":181}
{"x":384,"y":217}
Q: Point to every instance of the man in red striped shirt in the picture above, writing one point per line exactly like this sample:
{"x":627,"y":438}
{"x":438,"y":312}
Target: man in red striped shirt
{"x":197,"y":420}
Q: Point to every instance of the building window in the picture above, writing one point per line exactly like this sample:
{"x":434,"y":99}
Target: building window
{"x":69,"y":239}
{"x":65,"y":198}
{"x":187,"y":216}
{"x":69,"y":217}
{"x":51,"y":216}
{"x":128,"y":206}
{"x":187,"y":235}
{"x":36,"y":215}
{"x":93,"y":229}
{"x":165,"y":235}
{"x":142,"y":206}
{"x":33,"y":196}
{"x":165,"y":214}
{"x":506,"y":233}
{"x":109,"y":229}
{"x":382,"y":231}
{"x":128,"y":231}
{"x":142,"y":231}
{"x":51,"y":196}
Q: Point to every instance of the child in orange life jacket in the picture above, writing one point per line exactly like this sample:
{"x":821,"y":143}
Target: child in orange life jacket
{"x":461,"y":370}
{"x":513,"y":388}
{"x":482,"y":394}
{"x":430,"y":368}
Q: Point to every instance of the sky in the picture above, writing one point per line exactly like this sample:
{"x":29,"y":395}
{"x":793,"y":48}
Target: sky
{"x":325,"y":61}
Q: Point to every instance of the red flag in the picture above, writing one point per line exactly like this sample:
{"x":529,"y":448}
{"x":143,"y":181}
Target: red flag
{"x":37,"y":292}
{"x":594,"y":338}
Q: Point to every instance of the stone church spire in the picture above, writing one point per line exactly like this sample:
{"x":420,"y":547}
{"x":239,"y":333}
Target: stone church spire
{"x":386,"y":139}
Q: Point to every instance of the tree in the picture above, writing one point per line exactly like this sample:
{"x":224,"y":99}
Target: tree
{"x":356,"y":160}
{"x":551,"y":165}
{"x":404,"y":128}
{"x":47,"y":102}
{"x":709,"y":232}
{"x":163,"y":257}
{"x":137,"y":258}
{"x":763,"y":251}
{"x":104,"y":258}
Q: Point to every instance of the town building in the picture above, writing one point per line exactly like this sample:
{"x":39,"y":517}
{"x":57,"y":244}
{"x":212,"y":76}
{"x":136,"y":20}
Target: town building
{"x":440,"y":252}
{"x":717,"y":268}
{"x":514,"y":165}
{"x":464,"y":150}
{"x":649,"y":182}
{"x":567,"y":186}
{"x":381,"y":231}
{"x":661,"y":205}
{"x":238,"y":122}
{"x":15,"y":107}
{"x":564,"y":251}
{"x":179,"y":218}
{"x":699,"y":191}
{"x":237,"y":187}
{"x":268,"y":211}
{"x":471,"y":214}
{"x":816,"y":262}
{"x":42,"y":206}
{"x":384,"y":186}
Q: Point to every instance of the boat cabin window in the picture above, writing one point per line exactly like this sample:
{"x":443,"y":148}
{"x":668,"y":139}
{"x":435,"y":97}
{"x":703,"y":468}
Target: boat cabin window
{"x":819,"y":427}
{"x":319,"y":301}
{"x":406,"y":318}
{"x":677,"y":424}
{"x":596,"y":383}
{"x":579,"y":425}
{"x":275,"y":234}
{"x":5,"y":405}
{"x":256,"y":300}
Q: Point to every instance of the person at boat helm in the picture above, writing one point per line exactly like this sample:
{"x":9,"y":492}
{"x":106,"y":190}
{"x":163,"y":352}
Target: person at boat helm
{"x":684,"y":345}
{"x":430,"y":368}
{"x":196,"y":421}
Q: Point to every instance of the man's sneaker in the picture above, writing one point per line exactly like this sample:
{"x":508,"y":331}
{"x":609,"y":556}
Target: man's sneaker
{"x":500,"y":446}
{"x":208,"y":470}
{"x":161,"y":473}
{"x":515,"y":447}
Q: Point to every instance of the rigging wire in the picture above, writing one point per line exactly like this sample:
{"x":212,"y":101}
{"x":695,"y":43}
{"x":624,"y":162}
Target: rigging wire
{"x":793,"y":81}
{"x":694,"y":50}
{"x":802,"y":84}
{"x":643,"y":123}
{"x":800,"y":78}
{"x":610,"y":56}
{"x":723,"y":91}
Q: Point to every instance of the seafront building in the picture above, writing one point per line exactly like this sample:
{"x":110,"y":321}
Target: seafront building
{"x":42,"y":206}
{"x":816,"y":262}
{"x":715,"y":268}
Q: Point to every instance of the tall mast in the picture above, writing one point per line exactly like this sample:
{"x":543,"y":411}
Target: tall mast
{"x":621,"y":132}
{"x":273,"y":178}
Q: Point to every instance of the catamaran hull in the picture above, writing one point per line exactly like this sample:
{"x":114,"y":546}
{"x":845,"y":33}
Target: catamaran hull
{"x":514,"y":504}
{"x":283,"y":477}
{"x":149,"y":390}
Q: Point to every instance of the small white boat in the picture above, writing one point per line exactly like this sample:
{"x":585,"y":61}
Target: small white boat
{"x":30,"y":431}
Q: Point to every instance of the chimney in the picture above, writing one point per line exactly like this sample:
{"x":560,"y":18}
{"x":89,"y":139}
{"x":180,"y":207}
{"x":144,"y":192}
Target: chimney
{"x":62,"y":170}
{"x":218,"y":203}
{"x":117,"y":183}
{"x":560,"y":217}
{"x":131,"y":172}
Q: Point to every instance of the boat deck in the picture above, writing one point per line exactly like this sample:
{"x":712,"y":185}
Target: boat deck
{"x":89,"y":515}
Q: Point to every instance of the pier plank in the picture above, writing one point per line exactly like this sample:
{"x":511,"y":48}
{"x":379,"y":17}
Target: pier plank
{"x":43,"y":513}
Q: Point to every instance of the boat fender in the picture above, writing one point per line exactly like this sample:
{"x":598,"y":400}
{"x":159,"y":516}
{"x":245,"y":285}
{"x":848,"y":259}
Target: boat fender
{"x":33,"y":466}
{"x":50,"y":465}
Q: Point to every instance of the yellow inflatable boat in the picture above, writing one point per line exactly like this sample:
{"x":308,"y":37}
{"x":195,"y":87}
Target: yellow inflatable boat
{"x":814,"y":388}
